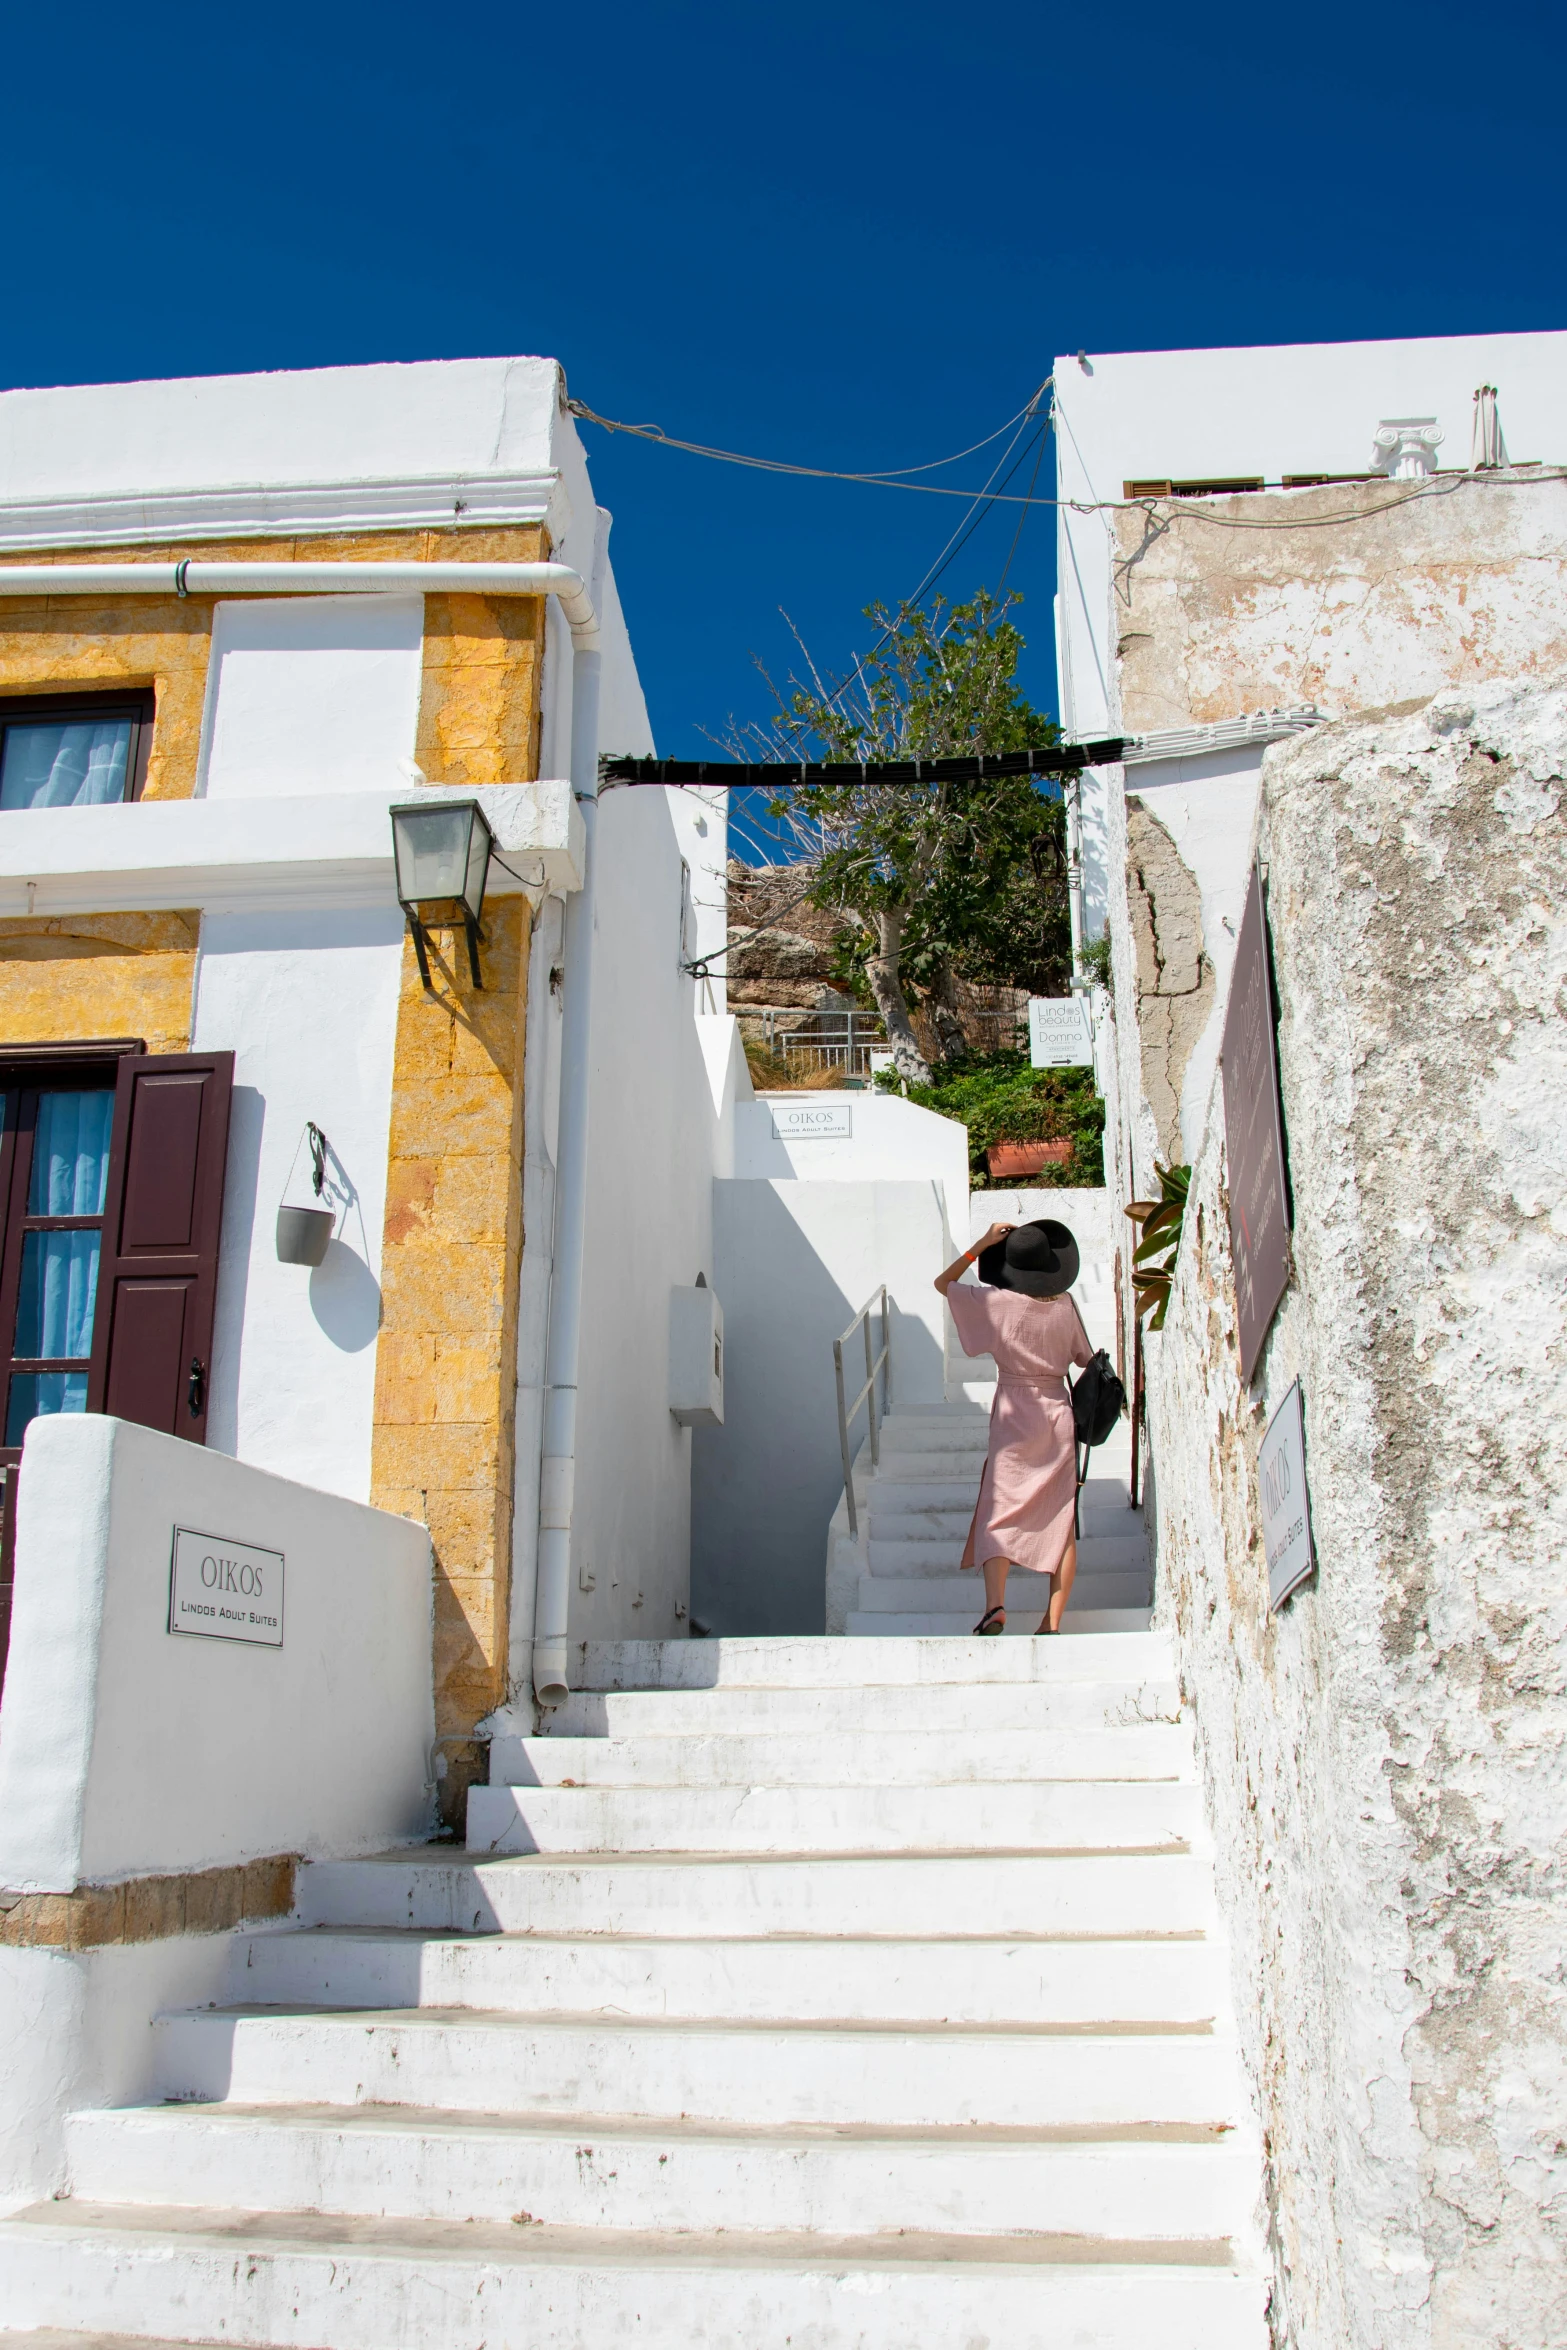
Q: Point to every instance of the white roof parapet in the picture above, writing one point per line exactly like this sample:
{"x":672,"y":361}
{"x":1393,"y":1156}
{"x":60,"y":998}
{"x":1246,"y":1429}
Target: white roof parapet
{"x":1225,"y":734}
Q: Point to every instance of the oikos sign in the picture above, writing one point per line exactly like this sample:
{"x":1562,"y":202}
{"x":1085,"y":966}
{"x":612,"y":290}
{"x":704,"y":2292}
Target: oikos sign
{"x":1286,"y":1506}
{"x":220,"y":1589}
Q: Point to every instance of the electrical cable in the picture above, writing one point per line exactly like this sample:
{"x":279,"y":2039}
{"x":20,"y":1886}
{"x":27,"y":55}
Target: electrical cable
{"x":889,"y":474}
{"x":1023,"y":517}
{"x":1177,"y":505}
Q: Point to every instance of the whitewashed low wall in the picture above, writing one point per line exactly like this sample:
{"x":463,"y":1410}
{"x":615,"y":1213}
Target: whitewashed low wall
{"x":127,"y":1750}
{"x":888,"y":1140}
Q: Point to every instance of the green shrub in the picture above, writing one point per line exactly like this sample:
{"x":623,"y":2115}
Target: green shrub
{"x":999,"y":1098}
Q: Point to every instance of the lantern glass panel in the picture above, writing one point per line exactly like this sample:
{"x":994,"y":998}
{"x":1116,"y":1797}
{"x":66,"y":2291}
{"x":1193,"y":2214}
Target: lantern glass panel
{"x":478,"y":865}
{"x":432,"y":847}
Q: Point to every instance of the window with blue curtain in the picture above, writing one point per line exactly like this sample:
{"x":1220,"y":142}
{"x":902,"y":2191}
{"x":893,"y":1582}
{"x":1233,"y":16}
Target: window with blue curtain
{"x":61,"y":1139}
{"x":73,"y":751}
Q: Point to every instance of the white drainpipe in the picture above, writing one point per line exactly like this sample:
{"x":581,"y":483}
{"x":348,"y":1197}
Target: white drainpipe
{"x":558,"y":1466}
{"x":190,"y":578}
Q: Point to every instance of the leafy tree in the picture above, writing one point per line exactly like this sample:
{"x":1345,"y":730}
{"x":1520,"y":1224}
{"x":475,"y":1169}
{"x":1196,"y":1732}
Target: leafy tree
{"x":932,"y":880}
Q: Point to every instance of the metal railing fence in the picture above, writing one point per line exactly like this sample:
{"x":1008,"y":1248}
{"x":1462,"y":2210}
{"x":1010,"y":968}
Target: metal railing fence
{"x":823,"y":1040}
{"x":847,"y":1410}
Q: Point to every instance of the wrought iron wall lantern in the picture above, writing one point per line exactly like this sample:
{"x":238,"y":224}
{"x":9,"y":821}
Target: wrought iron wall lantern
{"x":442,"y":854}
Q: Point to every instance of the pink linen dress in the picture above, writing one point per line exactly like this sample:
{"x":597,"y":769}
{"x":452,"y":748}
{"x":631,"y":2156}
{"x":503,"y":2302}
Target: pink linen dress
{"x":1024,"y":1511}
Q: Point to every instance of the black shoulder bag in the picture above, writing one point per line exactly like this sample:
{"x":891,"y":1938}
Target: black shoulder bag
{"x":1098,"y":1400}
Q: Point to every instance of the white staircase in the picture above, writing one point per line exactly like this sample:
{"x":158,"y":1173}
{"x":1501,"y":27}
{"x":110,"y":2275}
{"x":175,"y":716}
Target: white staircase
{"x":863,"y":1995}
{"x":902,"y":1575}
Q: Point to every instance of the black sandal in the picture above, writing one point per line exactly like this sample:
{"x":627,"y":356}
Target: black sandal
{"x":989,"y":1627}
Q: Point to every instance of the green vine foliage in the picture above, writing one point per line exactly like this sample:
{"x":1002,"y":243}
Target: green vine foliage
{"x":1161,"y":1223}
{"x":999,"y":1098}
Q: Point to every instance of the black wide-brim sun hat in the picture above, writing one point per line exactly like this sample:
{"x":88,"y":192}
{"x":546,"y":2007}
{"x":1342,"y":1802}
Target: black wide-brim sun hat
{"x":1039,"y":1260}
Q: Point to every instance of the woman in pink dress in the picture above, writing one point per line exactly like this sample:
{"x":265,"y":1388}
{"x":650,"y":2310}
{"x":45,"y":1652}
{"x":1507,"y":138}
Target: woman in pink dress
{"x":1024,"y":1318}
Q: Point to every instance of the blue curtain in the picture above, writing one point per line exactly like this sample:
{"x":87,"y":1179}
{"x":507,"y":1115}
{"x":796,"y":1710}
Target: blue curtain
{"x":59,"y":1283}
{"x":74,"y":763}
{"x":34,"y":1393}
{"x":59,"y":1287}
{"x":70,"y":1157}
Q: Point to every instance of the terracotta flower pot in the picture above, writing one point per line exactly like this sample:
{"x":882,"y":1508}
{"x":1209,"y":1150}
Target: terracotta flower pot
{"x":1027,"y":1158}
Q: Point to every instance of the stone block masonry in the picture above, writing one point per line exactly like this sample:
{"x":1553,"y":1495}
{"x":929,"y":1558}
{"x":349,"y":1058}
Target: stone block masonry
{"x":148,"y":1909}
{"x":446,"y":1361}
{"x":91,"y":975}
{"x":1383,"y":1759}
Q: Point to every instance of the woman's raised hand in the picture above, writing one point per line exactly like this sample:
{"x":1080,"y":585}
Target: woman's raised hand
{"x":996,"y":1232}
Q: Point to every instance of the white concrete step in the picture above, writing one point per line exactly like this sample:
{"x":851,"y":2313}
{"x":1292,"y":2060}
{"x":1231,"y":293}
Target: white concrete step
{"x":919,"y":1431}
{"x":577,"y":2171}
{"x":935,"y":1464}
{"x":823,"y":1664}
{"x":940,"y":1555}
{"x":824,"y":1978}
{"x":852,"y":1758}
{"x":955,"y":1594}
{"x":762,"y":2074}
{"x":719,"y":1897}
{"x":1034,"y":1816}
{"x":376,"y":2285}
{"x":906,"y":1514}
{"x":1048,"y":1707}
{"x":926,"y":1625}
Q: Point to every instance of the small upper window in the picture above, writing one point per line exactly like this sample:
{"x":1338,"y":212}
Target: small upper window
{"x":73,"y":750}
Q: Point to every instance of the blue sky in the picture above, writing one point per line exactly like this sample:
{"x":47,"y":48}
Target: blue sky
{"x":852,"y":236}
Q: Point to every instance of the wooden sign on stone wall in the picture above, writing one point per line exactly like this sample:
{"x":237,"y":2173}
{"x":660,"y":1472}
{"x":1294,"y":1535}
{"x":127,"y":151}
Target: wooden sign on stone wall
{"x":1254,"y":1135}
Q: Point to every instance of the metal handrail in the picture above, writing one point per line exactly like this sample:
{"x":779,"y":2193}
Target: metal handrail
{"x":867,"y":1395}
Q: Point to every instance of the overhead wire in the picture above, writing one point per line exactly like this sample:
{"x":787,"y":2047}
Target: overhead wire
{"x":889,"y":475}
{"x":1195,"y":508}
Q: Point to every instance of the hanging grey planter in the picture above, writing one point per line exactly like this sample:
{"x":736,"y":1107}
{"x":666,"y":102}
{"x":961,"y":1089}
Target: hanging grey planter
{"x":303,"y":1234}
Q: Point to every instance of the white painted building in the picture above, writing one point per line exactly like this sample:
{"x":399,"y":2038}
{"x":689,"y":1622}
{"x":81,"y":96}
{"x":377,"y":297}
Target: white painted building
{"x":1206,"y":608}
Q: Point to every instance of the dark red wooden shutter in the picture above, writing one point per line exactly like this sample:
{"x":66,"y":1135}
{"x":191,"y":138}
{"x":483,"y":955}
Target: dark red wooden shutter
{"x":158,"y":1276}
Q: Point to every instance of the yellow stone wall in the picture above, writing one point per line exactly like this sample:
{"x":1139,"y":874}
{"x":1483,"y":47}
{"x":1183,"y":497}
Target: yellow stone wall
{"x":75,"y":977}
{"x":446,"y":1367}
{"x":479,"y":697}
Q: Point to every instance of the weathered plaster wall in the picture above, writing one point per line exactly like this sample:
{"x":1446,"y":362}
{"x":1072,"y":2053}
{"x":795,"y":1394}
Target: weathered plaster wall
{"x":1465,"y":582}
{"x":1174,"y":975}
{"x":446,"y":1362}
{"x":78,"y":976}
{"x":1383,"y":1759}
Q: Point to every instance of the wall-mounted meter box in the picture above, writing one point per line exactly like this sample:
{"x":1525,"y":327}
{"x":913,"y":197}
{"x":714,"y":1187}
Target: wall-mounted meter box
{"x":696,"y":1357}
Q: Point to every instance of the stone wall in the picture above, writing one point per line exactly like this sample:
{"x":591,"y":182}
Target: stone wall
{"x":446,"y":1360}
{"x":66,"y":978}
{"x":1383,"y":1758}
{"x":1174,"y":977}
{"x":1257,"y":602}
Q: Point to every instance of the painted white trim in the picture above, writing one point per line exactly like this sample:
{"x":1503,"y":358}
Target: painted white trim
{"x":265,"y":510}
{"x":235,"y":855}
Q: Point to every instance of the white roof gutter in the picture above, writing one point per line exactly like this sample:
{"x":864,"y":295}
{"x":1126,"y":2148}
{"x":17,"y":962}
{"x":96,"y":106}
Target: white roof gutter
{"x":190,"y":578}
